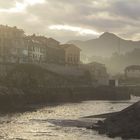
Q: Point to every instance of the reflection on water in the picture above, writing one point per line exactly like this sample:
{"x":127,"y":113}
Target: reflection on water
{"x":34,"y":125}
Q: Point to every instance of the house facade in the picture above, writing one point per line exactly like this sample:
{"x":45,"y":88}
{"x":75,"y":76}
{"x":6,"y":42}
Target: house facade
{"x":52,"y":52}
{"x":64,"y":54}
{"x":132,"y":71}
{"x":52,"y":42}
{"x":71,"y":54}
{"x":36,"y":51}
{"x":11,"y":44}
{"x":16,"y":47}
{"x":7,"y":32}
{"x":55,"y":55}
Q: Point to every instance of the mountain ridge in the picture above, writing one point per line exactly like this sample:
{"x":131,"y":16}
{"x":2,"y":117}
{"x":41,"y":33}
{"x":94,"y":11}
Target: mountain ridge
{"x":106,"y":44}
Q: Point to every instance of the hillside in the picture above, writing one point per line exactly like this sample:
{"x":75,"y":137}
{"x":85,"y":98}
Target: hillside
{"x":105,"y":45}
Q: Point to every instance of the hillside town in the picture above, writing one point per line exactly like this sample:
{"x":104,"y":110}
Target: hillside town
{"x":16,"y":47}
{"x":64,"y":59}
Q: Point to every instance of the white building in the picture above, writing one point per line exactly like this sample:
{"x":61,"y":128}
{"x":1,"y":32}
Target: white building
{"x":132,"y":71}
{"x":36,"y":51}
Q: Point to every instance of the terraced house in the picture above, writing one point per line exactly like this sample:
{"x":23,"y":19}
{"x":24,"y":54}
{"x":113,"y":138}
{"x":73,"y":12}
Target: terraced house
{"x":36,"y":50}
{"x":71,"y":54}
{"x":56,"y":53}
{"x":16,"y":47}
{"x":12,"y":45}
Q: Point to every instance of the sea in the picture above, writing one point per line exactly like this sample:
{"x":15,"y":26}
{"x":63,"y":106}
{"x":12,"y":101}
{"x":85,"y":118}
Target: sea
{"x":34,"y":125}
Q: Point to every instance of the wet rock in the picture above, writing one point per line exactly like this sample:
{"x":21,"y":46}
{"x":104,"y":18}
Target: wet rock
{"x":73,"y":123}
{"x":125,"y":123}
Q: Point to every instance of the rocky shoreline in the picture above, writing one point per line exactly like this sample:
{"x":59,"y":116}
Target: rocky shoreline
{"x":125,"y":124}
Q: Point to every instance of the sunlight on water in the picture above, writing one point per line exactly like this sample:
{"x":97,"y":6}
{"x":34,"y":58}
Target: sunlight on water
{"x":34,"y":125}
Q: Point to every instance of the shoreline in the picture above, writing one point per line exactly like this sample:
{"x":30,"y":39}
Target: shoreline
{"x":99,"y":123}
{"x":13,"y":99}
{"x":124,"y":124}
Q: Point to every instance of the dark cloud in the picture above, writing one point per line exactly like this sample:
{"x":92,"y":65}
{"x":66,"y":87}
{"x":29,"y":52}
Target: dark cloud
{"x":126,"y":8}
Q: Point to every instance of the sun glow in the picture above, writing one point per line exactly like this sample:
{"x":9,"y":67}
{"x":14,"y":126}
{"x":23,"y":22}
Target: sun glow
{"x":81,"y":31}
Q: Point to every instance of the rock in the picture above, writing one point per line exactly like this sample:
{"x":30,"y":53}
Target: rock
{"x":125,"y":123}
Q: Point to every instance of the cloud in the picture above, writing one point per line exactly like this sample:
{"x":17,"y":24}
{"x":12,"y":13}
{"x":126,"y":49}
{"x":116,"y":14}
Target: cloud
{"x":79,"y":30}
{"x":126,"y":8}
{"x":71,"y":19}
{"x":19,"y":5}
{"x":5,"y":4}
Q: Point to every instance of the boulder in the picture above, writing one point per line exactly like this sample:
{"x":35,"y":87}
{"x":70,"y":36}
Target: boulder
{"x":125,"y":123}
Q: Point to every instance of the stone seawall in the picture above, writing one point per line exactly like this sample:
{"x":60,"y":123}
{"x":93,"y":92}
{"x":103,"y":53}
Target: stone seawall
{"x":23,"y":84}
{"x":11,"y":98}
{"x":135,"y":90}
{"x":5,"y":68}
{"x":78,"y":94}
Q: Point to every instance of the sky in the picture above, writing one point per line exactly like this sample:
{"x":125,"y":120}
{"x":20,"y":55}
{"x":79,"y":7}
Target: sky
{"x":67,"y":20}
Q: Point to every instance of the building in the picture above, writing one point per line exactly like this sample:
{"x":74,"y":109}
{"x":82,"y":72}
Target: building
{"x":52,"y":42}
{"x":98,"y":73}
{"x":55,"y":55}
{"x":49,"y":42}
{"x":113,"y":82}
{"x":36,"y":51}
{"x":7,"y":32}
{"x":71,"y":54}
{"x":16,"y":47}
{"x":132,"y":71}
{"x":11,"y":44}
{"x":66,"y":54}
{"x":41,"y":39}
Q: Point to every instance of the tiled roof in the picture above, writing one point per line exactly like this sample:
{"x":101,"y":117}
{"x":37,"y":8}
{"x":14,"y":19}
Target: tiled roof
{"x":65,"y":46}
{"x":51,"y":39}
{"x":133,"y":67}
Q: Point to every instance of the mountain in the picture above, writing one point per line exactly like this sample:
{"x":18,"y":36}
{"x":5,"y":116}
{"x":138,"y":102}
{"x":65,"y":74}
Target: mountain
{"x":106,"y":45}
